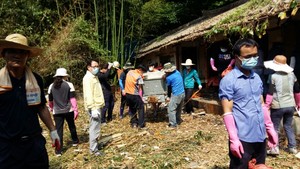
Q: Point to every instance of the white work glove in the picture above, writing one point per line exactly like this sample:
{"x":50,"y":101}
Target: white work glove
{"x":123,"y":93}
{"x":55,"y":139}
{"x":168,"y":99}
{"x":95,"y":114}
{"x":200,"y":87}
{"x":109,"y":65}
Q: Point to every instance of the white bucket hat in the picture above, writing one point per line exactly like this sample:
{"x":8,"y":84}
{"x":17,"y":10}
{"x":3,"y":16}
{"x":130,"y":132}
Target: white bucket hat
{"x":168,"y":67}
{"x":278,"y":64}
{"x":61,"y":72}
{"x":188,"y":62}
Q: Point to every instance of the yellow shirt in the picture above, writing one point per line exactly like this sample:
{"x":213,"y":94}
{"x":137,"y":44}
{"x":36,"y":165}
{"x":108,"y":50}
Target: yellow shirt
{"x":92,"y":92}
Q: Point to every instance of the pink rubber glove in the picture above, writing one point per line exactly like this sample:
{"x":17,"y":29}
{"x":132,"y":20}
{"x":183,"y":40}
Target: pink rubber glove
{"x":212,"y":64}
{"x":272,"y":134}
{"x":50,"y":105}
{"x":236,"y":146}
{"x":297,"y":99}
{"x":231,"y":63}
{"x":268,"y":102}
{"x":74,"y":107}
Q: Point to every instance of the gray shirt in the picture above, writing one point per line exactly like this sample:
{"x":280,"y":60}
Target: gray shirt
{"x":283,"y":87}
{"x":61,"y":97}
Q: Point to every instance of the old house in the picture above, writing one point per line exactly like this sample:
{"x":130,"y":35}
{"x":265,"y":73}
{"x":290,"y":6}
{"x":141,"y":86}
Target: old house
{"x":266,"y":21}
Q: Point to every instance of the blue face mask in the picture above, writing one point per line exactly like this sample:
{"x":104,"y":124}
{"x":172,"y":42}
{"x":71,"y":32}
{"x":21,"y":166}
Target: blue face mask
{"x":249,"y":63}
{"x":95,"y":71}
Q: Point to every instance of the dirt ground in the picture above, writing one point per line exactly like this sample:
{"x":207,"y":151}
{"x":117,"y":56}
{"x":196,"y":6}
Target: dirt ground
{"x":199,"y":142}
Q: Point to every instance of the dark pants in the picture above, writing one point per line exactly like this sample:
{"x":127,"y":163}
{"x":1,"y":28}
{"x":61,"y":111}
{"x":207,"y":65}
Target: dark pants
{"x":136,"y":105}
{"x":24,"y":153}
{"x":123,"y":103}
{"x":251,"y":150}
{"x":188,"y":95}
{"x":59,"y":123}
{"x":109,"y":106}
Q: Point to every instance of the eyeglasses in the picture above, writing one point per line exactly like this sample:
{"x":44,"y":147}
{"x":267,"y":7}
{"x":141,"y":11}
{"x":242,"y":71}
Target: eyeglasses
{"x":12,"y":51}
{"x":250,"y":56}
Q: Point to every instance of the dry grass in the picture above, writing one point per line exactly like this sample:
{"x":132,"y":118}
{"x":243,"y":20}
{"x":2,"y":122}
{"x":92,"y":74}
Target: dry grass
{"x":199,"y":142}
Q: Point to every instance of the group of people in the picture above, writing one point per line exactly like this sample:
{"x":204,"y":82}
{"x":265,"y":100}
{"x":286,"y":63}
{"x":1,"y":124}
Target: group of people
{"x":252,"y":123}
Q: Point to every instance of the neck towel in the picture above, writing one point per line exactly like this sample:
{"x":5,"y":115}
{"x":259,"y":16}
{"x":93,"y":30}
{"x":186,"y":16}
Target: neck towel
{"x":33,"y":92}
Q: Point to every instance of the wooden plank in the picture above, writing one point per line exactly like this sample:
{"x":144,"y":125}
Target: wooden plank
{"x":210,"y":106}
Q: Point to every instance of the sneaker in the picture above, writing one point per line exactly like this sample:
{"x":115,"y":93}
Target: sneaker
{"x":273,"y":151}
{"x":98,"y":153}
{"x":170,"y":126}
{"x":75,"y":143}
{"x":134,"y":125}
{"x":103,"y":124}
{"x":292,"y":150}
{"x":58,"y":154}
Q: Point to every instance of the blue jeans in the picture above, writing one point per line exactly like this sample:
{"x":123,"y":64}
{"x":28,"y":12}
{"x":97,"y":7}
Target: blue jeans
{"x":174,"y":109}
{"x":287,"y":115}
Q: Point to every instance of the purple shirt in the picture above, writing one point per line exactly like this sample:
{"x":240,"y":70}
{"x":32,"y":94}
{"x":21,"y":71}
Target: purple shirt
{"x":245,"y":91}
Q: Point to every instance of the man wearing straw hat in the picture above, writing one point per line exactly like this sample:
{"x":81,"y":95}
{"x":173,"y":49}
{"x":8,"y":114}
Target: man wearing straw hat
{"x":175,"y":82}
{"x":189,"y":75}
{"x":282,"y":97}
{"x":22,"y":101}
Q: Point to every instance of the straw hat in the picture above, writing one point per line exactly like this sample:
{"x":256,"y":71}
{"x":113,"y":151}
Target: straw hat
{"x":188,"y":62}
{"x":61,"y":72}
{"x":278,"y":64}
{"x":128,"y":65}
{"x":18,"y":41}
{"x":168,"y":67}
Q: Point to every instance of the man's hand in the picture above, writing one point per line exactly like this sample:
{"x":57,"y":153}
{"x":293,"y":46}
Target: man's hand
{"x":200,"y":87}
{"x":236,"y":147}
{"x":123,"y":93}
{"x":214,"y":68}
{"x":75,"y":114}
{"x":96,"y":114}
{"x":55,"y":139}
{"x":272,"y":134}
{"x":109,"y":65}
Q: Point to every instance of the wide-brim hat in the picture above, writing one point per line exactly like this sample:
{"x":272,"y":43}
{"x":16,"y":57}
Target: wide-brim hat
{"x":188,"y":62}
{"x":61,"y":72}
{"x":278,"y":64}
{"x":128,"y":65}
{"x":18,"y":41}
{"x":168,"y":67}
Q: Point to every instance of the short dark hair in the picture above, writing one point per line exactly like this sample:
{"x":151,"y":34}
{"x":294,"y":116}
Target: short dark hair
{"x":103,"y":65}
{"x":89,"y":62}
{"x":151,"y":64}
{"x":141,"y":66}
{"x":236,"y":50}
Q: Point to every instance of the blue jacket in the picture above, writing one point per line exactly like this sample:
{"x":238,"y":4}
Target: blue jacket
{"x":190,"y":78}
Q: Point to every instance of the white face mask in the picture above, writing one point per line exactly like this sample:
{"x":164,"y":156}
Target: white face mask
{"x":223,"y":49}
{"x":95,"y":71}
{"x":151,"y":68}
